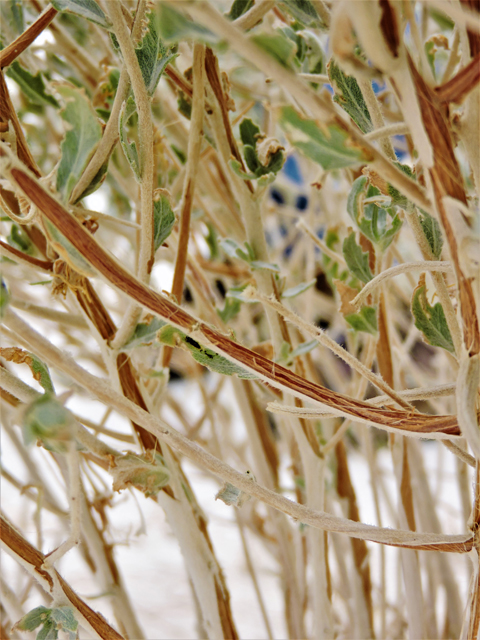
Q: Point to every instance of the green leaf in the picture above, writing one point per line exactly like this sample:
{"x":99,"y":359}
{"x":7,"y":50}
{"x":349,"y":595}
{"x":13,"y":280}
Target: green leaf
{"x":19,"y":239}
{"x":238,"y":8}
{"x":300,"y":288}
{"x":355,"y":198}
{"x":303,"y":348}
{"x":304,"y":11}
{"x":430,"y":320}
{"x":144,"y":334}
{"x":349,"y":96}
{"x":129,"y":108}
{"x":277,"y":45}
{"x":249,"y":132}
{"x":4,"y":298}
{"x":80,"y":140}
{"x":175,"y":26}
{"x":397,"y":198}
{"x":64,"y":618}
{"x":370,"y":218}
{"x":206,"y":357}
{"x":47,"y":420}
{"x":332,"y":150}
{"x":88,"y":9}
{"x":33,"y":619}
{"x":41,"y":374}
{"x":432,"y":232}
{"x":230,"y":310}
{"x":233,"y":249}
{"x":356,"y":259}
{"x":49,"y":631}
{"x":67,"y":251}
{"x":251,"y":159}
{"x":365,"y":320}
{"x":32,"y":86}
{"x":97,"y":180}
{"x":16,"y":7}
{"x":268,"y":266}
{"x":152,"y":55}
{"x":163,"y":219}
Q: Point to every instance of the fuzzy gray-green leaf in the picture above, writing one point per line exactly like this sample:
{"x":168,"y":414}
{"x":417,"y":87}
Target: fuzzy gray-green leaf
{"x":349,"y":96}
{"x":33,"y":619}
{"x":163,"y":219}
{"x":152,"y":55}
{"x":32,"y":86}
{"x":81,"y":138}
{"x":365,"y":320}
{"x":332,"y":150}
{"x":356,"y":259}
{"x":129,"y":148}
{"x":432,"y":232}
{"x":88,"y":9}
{"x":430,"y":320}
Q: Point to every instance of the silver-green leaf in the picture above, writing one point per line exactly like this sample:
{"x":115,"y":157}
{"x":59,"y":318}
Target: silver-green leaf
{"x":88,"y":9}
{"x":81,"y":139}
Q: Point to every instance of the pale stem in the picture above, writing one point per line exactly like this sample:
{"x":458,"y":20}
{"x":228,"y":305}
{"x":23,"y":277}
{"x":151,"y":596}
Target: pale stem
{"x":319,"y":107}
{"x":195,"y":140}
{"x":376,"y":115}
{"x":454,"y":57}
{"x":74,"y":496}
{"x":64,"y":318}
{"x":254,"y":15}
{"x":323,"y":339}
{"x":147,"y":165}
{"x":441,"y":266}
{"x":301,"y":224}
{"x":110,"y":134}
{"x":397,"y":129}
{"x":251,"y":570}
{"x":106,"y":394}
{"x":315,"y":77}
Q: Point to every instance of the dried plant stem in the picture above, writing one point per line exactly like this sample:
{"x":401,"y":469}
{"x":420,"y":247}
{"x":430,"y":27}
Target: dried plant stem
{"x":258,"y":365}
{"x":377,"y":117}
{"x":110,"y":133}
{"x":31,"y":339}
{"x":441,"y":266}
{"x":251,"y":570}
{"x":254,"y":15}
{"x":195,"y":139}
{"x":326,"y":341}
{"x":319,"y":107}
{"x":15,"y":48}
{"x":32,"y":560}
{"x":49,"y":314}
{"x":301,"y":224}
{"x":397,"y":129}
{"x":146,"y":160}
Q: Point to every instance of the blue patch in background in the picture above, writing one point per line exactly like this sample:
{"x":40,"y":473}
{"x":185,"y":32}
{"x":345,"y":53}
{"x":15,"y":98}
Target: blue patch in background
{"x":292,"y":170}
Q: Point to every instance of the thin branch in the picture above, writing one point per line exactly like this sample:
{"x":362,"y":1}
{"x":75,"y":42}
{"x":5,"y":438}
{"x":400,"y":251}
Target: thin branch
{"x":33,"y":561}
{"x":146,"y":160}
{"x":24,"y":40}
{"x":195,"y":139}
{"x":407,"y":267}
{"x":261,"y":367}
{"x":321,"y":520}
